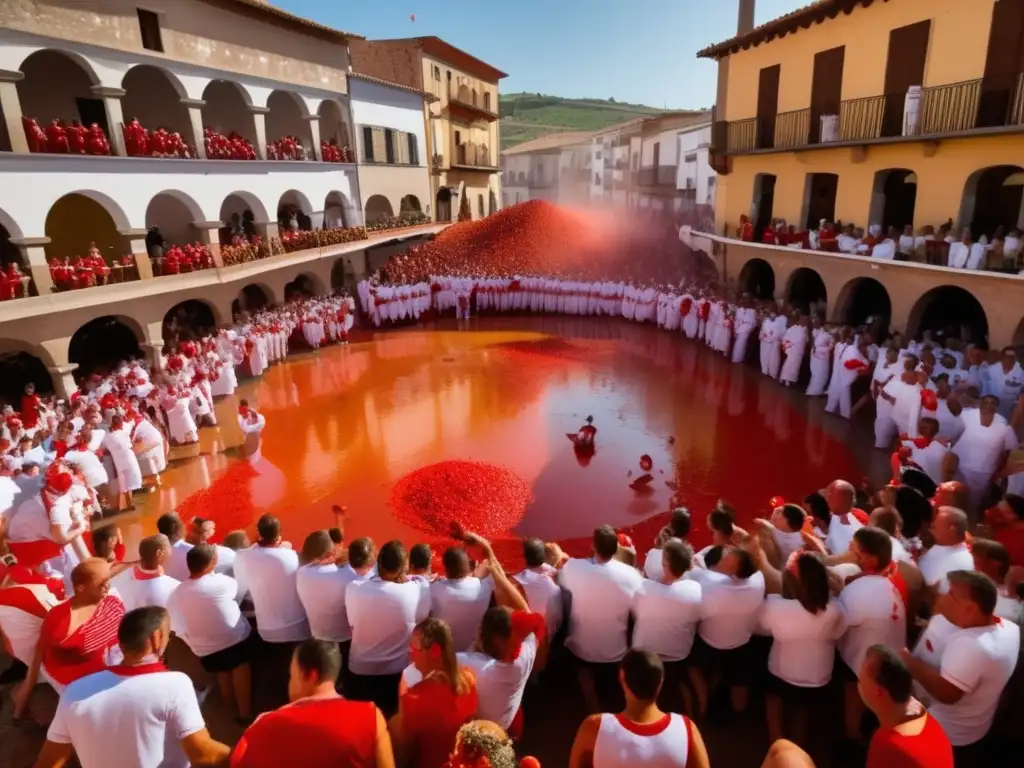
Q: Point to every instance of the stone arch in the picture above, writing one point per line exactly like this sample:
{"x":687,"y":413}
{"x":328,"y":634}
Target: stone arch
{"x":304,"y":284}
{"x":474,"y":96}
{"x":410,"y":204}
{"x":444,"y":204}
{"x":333,"y":125}
{"x":104,"y":341}
{"x":83,"y":217}
{"x":227,"y":109}
{"x":993,"y":197}
{"x":153,"y":96}
{"x":338,"y":211}
{"x":464,"y":94}
{"x":190,"y":319}
{"x":860,"y":299}
{"x":255,"y":296}
{"x":20,"y":364}
{"x":948,"y":308}
{"x":174,"y":213}
{"x":287,"y":118}
{"x":241,"y":212}
{"x":806,"y":289}
{"x":378,"y":208}
{"x":294,"y":205}
{"x":10,"y":253}
{"x":757,"y":278}
{"x":487,"y":101}
{"x":58,"y":85}
{"x":893,"y":198}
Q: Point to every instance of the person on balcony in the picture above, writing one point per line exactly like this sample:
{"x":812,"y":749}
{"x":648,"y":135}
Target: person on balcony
{"x":960,"y":252}
{"x":886,"y":248}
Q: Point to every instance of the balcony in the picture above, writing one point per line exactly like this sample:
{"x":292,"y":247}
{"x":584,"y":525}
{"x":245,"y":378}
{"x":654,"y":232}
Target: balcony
{"x":657,"y":176}
{"x":944,"y":111}
{"x":464,"y":101}
{"x":474,"y":157}
{"x":437,"y":162}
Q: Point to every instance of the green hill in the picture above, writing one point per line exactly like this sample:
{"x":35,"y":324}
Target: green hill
{"x":526,"y":116}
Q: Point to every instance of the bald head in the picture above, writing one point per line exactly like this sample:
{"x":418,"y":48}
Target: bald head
{"x":153,"y":551}
{"x":91,"y":580}
{"x":949,"y":526}
{"x":840,"y":496}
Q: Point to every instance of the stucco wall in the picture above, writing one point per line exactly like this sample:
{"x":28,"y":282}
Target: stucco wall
{"x":956,"y":52}
{"x":394,"y":183}
{"x":385,"y":107}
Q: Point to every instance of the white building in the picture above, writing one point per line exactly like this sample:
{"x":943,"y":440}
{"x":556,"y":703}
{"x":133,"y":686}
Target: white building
{"x":554,"y":167}
{"x":664,"y":163}
{"x":696,"y":180}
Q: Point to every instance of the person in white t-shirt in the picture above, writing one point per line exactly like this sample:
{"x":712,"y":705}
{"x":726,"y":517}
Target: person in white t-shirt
{"x":22,"y":610}
{"x":602,"y":590}
{"x":993,"y":559}
{"x":171,"y":526}
{"x":950,"y":552}
{"x":781,"y":536}
{"x":732,"y":590}
{"x":383,"y":612}
{"x":982,"y":448}
{"x":975,"y":665}
{"x":267,"y":573}
{"x":875,"y":611}
{"x":133,"y":715}
{"x":205,"y":615}
{"x":203,"y":531}
{"x":678,"y":528}
{"x":146,"y":584}
{"x":667,"y":614}
{"x":460,"y":598}
{"x":538,"y":582}
{"x":843,"y":523}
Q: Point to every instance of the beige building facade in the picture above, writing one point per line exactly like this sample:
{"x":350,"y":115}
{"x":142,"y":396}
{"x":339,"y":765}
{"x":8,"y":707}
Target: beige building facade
{"x":555,"y":167}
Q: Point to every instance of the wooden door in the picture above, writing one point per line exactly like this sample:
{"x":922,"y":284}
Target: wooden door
{"x":1002,"y":63}
{"x":767,"y":105}
{"x":908,"y":50}
{"x":826,"y":87}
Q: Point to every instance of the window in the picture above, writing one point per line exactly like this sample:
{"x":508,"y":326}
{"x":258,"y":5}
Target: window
{"x":414,"y":149}
{"x":437,"y":72}
{"x":449,"y":75}
{"x":597,"y":179}
{"x":480,"y":205}
{"x":368,"y":144}
{"x":487,"y":101}
{"x":389,"y":146}
{"x":149,"y":26}
{"x":657,"y":154}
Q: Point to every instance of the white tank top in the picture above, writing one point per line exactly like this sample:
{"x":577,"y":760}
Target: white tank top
{"x":623,"y":744}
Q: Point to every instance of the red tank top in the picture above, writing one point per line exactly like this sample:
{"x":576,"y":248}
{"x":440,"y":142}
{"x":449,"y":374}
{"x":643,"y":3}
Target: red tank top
{"x":928,"y":749}
{"x":313,"y":732}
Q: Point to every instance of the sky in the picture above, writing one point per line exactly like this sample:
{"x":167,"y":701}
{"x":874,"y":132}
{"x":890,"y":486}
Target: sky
{"x":638,"y":51}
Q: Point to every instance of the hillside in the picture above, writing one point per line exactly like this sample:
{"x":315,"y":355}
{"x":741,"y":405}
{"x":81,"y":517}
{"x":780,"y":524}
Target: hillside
{"x":526,"y":116}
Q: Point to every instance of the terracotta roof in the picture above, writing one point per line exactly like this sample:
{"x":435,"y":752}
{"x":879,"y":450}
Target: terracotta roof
{"x":802,"y":18}
{"x":381,"y":81}
{"x":637,"y":124}
{"x":444,"y":50}
{"x":549,"y":142}
{"x":261,"y":6}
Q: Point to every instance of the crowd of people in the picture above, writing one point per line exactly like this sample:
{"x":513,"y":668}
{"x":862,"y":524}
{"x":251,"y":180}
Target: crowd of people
{"x":904,"y":602}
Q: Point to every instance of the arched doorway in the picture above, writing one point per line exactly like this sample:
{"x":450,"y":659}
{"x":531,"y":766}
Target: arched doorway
{"x":757,"y":279}
{"x":337,"y":211}
{"x":806,"y":290}
{"x":10,"y":254}
{"x":79,"y":221}
{"x":492,"y":199}
{"x":58,"y":86}
{"x":153,"y":97}
{"x":894,"y":198}
{"x":294,"y":211}
{"x":951,"y":311}
{"x":285,"y":118}
{"x":378,"y":210}
{"x":173,"y":214}
{"x":101,"y":344}
{"x":255,"y":297}
{"x":333,"y":127}
{"x":304,"y":286}
{"x":343,"y":274}
{"x":444,"y":204}
{"x":227,"y":110}
{"x":763,"y":204}
{"x":993,"y":198}
{"x":241,"y":212}
{"x":820,"y":193}
{"x":18,"y":368}
{"x":465,"y":214}
{"x":864,"y":301}
{"x":480,"y":206}
{"x":189,"y":320}
{"x":410,"y":204}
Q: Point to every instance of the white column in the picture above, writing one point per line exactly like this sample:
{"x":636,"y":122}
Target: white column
{"x":10,"y":104}
{"x":259,"y":117}
{"x":115,"y":118}
{"x":63,"y":382}
{"x":195,"y":116}
{"x":33,"y":257}
{"x":314,"y":132}
{"x":137,"y":247}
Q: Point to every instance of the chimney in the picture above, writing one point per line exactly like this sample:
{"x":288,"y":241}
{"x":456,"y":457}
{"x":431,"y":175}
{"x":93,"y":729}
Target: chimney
{"x":745,"y":20}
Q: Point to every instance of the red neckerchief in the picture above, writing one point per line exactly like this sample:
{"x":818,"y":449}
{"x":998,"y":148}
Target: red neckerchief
{"x":124,"y":670}
{"x":141,"y":574}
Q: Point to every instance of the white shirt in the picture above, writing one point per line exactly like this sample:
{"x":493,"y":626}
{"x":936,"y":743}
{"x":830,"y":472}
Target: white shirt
{"x":543,"y":595}
{"x":137,"y":592}
{"x":840,"y":534}
{"x":940,"y":560}
{"x":666,"y":617}
{"x":731,"y":607}
{"x":135,"y":721}
{"x":979,"y":448}
{"x":205,"y":614}
{"x":383,"y":615}
{"x":321,"y":588}
{"x":462,"y":603}
{"x":620,"y":746}
{"x":176,"y":567}
{"x":1009,"y":606}
{"x":803,"y":648}
{"x":268,"y":575}
{"x":875,"y":614}
{"x":602,"y":594}
{"x":653,"y":566}
{"x":787,"y":542}
{"x":22,"y":608}
{"x":978,"y":661}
